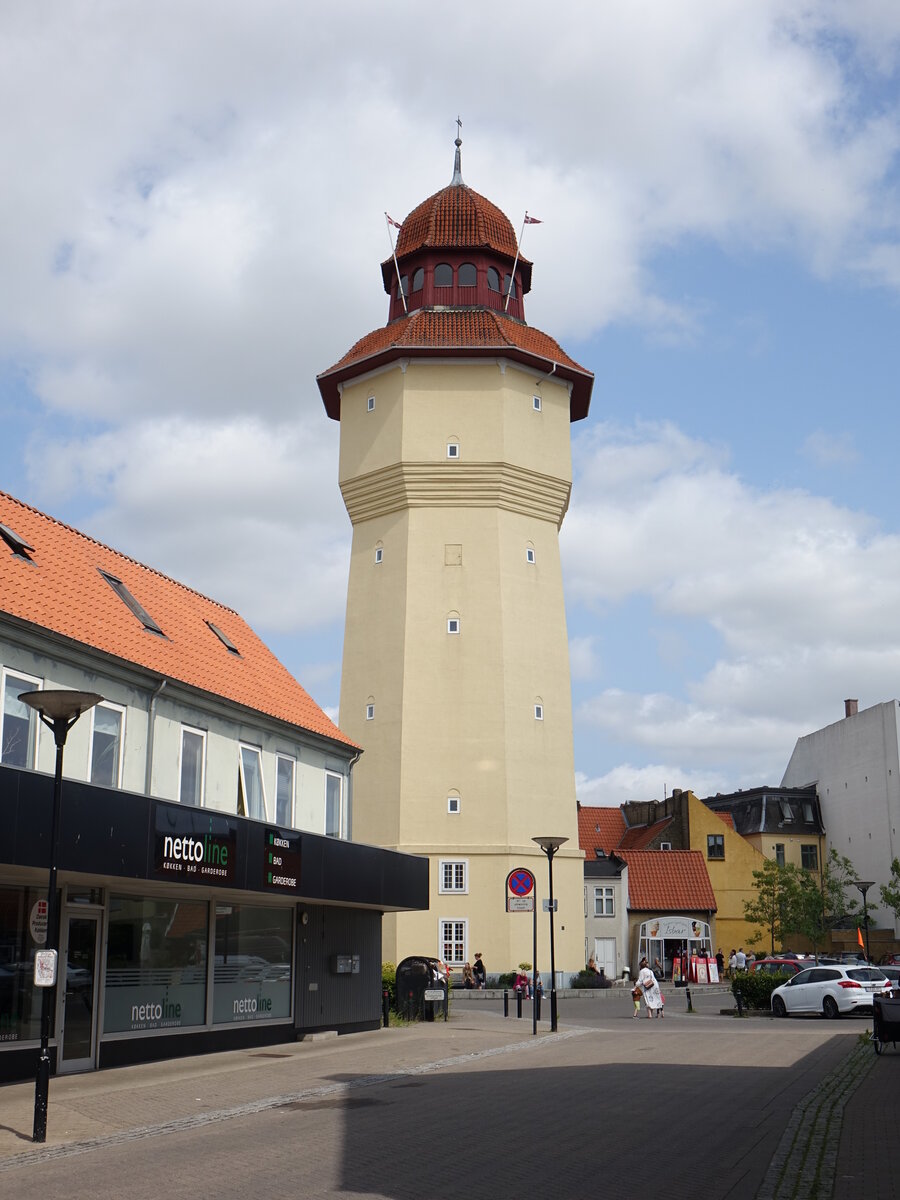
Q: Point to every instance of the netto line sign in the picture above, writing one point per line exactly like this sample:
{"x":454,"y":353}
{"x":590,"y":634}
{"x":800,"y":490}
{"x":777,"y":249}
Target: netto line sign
{"x":193,"y":846}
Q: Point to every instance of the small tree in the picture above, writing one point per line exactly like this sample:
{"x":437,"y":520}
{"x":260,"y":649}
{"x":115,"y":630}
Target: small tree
{"x":890,"y":892}
{"x":775,"y":906}
{"x":823,"y":906}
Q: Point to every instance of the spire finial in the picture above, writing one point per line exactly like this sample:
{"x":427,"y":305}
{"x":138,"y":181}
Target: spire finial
{"x":457,"y":162}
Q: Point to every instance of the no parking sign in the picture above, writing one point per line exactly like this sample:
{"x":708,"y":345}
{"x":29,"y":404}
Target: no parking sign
{"x":520,"y":890}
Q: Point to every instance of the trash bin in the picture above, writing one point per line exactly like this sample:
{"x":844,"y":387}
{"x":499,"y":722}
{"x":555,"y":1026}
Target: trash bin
{"x":421,"y":988}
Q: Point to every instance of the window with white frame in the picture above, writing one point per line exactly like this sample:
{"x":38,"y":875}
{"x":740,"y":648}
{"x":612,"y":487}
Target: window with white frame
{"x":370,"y":712}
{"x":379,"y":554}
{"x":453,"y":449}
{"x":334,"y":807}
{"x":18,"y":734}
{"x":453,"y":624}
{"x":604,"y":902}
{"x":107,"y":737}
{"x":193,"y":765}
{"x":536,"y":402}
{"x":370,"y":404}
{"x":529,"y":554}
{"x":453,"y":942}
{"x":453,"y":804}
{"x":539,"y":712}
{"x":453,"y":876}
{"x":251,"y":792}
{"x":285,"y":769}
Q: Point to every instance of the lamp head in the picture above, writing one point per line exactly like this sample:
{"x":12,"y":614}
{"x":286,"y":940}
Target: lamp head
{"x":549,"y":845}
{"x":863,"y":885}
{"x":60,"y":709}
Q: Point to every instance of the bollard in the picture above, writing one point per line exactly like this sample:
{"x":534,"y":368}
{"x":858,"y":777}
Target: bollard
{"x":740,"y":1002}
{"x":690,"y":1007}
{"x":505,"y":1003}
{"x":386,"y":1007}
{"x":537,"y":1006}
{"x":519,"y":1003}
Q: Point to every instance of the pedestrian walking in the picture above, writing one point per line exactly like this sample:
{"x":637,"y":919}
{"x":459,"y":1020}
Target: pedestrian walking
{"x":479,"y":972}
{"x":650,"y":987}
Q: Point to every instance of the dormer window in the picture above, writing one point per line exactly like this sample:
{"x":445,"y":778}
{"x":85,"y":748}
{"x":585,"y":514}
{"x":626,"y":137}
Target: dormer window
{"x":443,"y":275}
{"x":493,"y":278}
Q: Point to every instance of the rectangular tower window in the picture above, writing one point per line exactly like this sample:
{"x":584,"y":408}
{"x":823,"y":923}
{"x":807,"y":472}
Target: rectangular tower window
{"x":453,"y":804}
{"x":379,"y":554}
{"x":453,"y":876}
{"x":453,"y":449}
{"x":193,"y":753}
{"x":539,"y":712}
{"x":453,"y":624}
{"x":18,"y":734}
{"x":370,"y":712}
{"x":106,"y":744}
{"x":334,"y":824}
{"x":284,"y":790}
{"x":529,"y":555}
{"x":537,"y":403}
{"x":370,"y":403}
{"x":453,"y":942}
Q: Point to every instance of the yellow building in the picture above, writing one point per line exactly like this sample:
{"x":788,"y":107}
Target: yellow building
{"x":455,"y":468}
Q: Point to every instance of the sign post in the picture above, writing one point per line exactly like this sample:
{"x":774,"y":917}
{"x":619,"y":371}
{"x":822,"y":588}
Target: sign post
{"x":520,"y":898}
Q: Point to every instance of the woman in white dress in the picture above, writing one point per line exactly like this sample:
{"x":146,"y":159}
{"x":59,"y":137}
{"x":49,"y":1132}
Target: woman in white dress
{"x":652,"y":995}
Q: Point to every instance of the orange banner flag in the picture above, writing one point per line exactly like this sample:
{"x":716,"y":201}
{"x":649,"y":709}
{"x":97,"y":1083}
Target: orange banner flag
{"x":859,"y":937}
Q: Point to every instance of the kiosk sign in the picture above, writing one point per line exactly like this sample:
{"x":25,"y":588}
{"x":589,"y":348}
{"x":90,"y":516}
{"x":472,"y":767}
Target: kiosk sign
{"x":520,"y":890}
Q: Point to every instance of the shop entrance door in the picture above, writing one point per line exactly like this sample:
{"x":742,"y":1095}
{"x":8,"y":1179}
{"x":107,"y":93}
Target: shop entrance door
{"x":78,"y":971}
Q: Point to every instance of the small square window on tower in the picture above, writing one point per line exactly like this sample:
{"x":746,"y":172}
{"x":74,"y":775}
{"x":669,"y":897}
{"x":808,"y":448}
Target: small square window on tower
{"x":453,"y":624}
{"x":379,"y":554}
{"x":539,"y":712}
{"x":529,"y":554}
{"x":453,"y":449}
{"x":453,"y":804}
{"x":536,"y":401}
{"x":370,"y":403}
{"x":370,"y":712}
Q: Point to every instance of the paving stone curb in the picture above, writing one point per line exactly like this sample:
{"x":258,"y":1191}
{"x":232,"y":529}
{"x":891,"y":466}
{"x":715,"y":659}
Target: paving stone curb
{"x":804,"y":1165}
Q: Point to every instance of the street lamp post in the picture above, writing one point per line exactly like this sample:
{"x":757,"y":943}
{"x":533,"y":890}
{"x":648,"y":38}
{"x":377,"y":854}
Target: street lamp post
{"x":550,"y":845}
{"x":59,"y":710}
{"x":864,"y":885}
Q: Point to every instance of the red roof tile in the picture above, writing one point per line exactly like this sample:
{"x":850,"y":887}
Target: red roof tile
{"x":668,"y":881}
{"x":599,"y":829}
{"x":642,"y":835}
{"x":62,"y":590}
{"x":456,"y":332}
{"x":457,"y":217}
{"x":727,"y":818}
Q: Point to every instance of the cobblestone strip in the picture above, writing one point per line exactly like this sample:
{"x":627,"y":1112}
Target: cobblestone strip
{"x":86,"y":1145}
{"x":803,"y":1167}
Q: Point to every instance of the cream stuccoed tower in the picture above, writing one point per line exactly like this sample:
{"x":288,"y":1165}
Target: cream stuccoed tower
{"x":455,"y":467}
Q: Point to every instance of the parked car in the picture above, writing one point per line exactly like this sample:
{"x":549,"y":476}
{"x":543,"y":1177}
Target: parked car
{"x":893,"y":974}
{"x":830,"y":990}
{"x":844,"y":958}
{"x":889,"y":960}
{"x":778,"y":966}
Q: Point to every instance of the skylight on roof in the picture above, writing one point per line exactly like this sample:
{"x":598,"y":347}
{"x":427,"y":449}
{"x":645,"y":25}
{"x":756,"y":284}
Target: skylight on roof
{"x":136,"y":607}
{"x":18,"y":545}
{"x":224,"y":639}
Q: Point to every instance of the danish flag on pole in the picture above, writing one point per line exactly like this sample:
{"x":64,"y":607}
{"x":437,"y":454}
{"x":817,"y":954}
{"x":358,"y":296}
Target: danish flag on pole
{"x":532,"y":220}
{"x":396,"y":224}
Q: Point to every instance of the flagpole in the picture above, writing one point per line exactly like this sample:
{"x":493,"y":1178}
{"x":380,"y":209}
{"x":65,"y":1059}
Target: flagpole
{"x":512,"y":277}
{"x":387,"y":224}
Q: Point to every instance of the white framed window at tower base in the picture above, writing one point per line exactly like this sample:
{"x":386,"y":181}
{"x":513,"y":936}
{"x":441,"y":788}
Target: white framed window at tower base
{"x":453,"y":936}
{"x":453,"y":875}
{"x":661,"y":937}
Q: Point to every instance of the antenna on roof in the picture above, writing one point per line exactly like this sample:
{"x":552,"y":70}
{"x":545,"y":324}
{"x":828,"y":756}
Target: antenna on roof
{"x":457,"y":162}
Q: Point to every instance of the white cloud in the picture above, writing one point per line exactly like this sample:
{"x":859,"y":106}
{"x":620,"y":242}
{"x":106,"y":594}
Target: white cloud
{"x":654,"y":782}
{"x":830,"y":449}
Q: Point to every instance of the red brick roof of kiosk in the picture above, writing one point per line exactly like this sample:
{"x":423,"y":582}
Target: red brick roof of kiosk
{"x":668,"y":881}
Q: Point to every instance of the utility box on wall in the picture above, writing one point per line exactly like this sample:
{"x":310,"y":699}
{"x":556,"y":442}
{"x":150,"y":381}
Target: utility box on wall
{"x":344,"y":964}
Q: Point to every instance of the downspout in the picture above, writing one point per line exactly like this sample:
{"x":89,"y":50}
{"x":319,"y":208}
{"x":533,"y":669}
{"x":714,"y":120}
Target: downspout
{"x":351,"y":765}
{"x":151,"y":717}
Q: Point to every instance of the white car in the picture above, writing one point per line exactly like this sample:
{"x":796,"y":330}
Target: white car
{"x":830,"y":990}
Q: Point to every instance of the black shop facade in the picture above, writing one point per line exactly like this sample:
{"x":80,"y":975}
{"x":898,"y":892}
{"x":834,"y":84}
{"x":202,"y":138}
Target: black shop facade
{"x":184,"y":930}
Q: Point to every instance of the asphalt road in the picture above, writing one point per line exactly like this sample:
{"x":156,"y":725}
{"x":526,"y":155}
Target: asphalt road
{"x":693,"y":1103}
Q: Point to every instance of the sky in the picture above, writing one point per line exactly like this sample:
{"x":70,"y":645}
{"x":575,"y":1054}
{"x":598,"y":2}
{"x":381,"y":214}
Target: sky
{"x":191,"y":227}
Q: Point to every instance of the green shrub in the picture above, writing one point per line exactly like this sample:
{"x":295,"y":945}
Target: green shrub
{"x":389,"y":981}
{"x":756,"y":988}
{"x":507,"y":980}
{"x":590,"y":979}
